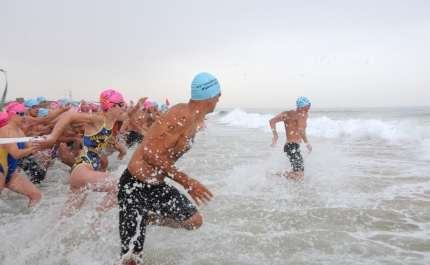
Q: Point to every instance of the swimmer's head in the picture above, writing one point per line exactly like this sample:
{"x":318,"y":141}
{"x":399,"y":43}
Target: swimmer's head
{"x":54,"y":105}
{"x":154,"y":103}
{"x":302,"y":102}
{"x":204,"y":86}
{"x":109,"y":98}
{"x":14,"y":108}
{"x":164,"y":107}
{"x":30,"y":103}
{"x":43,"y":112}
{"x":94,"y":107}
{"x":4,"y":119}
{"x":75,"y":104}
{"x":41,"y":99}
{"x":148,"y":104}
{"x":64,"y":101}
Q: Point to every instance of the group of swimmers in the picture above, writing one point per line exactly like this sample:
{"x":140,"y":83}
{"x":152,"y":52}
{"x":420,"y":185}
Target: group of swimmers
{"x":82,"y":139}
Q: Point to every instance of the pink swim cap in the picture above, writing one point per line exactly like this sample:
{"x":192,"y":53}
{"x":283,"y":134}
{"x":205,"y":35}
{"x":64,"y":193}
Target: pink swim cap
{"x":94,"y":107}
{"x":15,"y":107}
{"x":109,"y":97}
{"x":4,"y":119}
{"x":148,"y":104}
{"x":54,"y":105}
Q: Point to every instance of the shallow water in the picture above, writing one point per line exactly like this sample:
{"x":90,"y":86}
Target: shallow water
{"x":364,"y":199}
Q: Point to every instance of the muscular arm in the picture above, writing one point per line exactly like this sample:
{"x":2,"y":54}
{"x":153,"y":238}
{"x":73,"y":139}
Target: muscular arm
{"x":280,"y":117}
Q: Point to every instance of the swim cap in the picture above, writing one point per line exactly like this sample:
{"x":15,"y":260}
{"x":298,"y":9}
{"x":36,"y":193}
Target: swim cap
{"x":75,"y":103}
{"x":204,"y":86}
{"x":64,"y":101}
{"x":148,"y":104}
{"x":41,"y":98}
{"x":4,"y":119}
{"x":302,"y":102}
{"x":94,"y":107}
{"x":164,"y":107}
{"x":43,"y":112}
{"x":14,"y":107}
{"x":54,"y":105}
{"x":30,"y":103}
{"x":154,"y":103}
{"x":109,"y":97}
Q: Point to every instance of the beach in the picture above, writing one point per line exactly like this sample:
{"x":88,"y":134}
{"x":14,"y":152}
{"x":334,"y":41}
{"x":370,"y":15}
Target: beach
{"x":364,"y":199}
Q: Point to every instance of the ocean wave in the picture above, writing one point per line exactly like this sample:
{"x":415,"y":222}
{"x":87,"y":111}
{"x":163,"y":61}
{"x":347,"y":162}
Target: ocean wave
{"x":398,"y":133}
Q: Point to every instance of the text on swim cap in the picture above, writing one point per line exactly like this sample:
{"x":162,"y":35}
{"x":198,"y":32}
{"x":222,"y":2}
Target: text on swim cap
{"x":208,"y":84}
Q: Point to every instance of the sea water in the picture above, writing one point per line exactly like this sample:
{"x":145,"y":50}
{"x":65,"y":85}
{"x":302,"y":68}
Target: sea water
{"x":365,"y":198}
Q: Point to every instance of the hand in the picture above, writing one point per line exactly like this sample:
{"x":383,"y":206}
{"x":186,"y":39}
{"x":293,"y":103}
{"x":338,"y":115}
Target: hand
{"x":131,"y":103}
{"x":275,"y":138}
{"x":309,"y":147}
{"x":142,"y":101}
{"x":198,"y":192}
{"x":46,"y":144}
{"x":36,"y":146}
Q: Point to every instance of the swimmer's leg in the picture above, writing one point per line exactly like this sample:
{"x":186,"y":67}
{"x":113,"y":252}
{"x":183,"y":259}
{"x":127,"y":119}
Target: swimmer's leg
{"x":20,"y":184}
{"x":191,"y":223}
{"x":75,"y":200}
{"x":296,"y":176}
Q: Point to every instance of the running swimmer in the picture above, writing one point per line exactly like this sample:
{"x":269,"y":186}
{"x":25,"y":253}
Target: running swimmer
{"x":142,"y":187}
{"x":295,"y":130}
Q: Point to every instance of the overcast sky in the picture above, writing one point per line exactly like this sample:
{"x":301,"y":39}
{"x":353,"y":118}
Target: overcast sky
{"x":264,"y":53}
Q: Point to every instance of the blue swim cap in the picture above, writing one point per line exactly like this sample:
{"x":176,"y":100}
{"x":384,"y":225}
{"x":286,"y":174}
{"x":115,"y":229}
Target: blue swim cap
{"x":41,"y":98}
{"x":204,"y":86}
{"x":302,"y":102}
{"x":43,"y":112}
{"x":30,"y":103}
{"x":154,"y":103}
{"x":64,"y":101}
{"x":75,"y":103}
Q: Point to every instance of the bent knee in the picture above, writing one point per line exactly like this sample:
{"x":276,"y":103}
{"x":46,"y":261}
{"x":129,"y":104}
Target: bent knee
{"x":194,"y":222}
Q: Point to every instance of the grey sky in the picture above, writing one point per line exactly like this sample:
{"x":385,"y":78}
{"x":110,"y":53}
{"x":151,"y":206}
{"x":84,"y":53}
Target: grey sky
{"x":264,"y":53}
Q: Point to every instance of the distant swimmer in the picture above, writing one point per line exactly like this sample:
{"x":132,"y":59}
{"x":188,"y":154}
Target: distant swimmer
{"x":142,"y":188}
{"x":295,"y":129}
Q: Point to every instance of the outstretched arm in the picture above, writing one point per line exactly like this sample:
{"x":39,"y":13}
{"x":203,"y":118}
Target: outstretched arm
{"x":64,"y":123}
{"x":133,"y":111}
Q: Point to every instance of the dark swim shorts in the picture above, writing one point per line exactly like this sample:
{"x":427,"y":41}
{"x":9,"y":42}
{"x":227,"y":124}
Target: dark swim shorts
{"x":292,"y":150}
{"x":133,"y":138}
{"x":136,"y":199}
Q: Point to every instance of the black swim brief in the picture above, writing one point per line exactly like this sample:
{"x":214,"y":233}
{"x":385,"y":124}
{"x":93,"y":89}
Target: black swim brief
{"x":292,"y":150}
{"x":136,"y":199}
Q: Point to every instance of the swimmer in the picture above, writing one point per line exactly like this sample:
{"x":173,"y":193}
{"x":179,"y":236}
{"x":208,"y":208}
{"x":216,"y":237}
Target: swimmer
{"x":164,"y":107}
{"x":142,"y":187}
{"x":295,"y":129}
{"x":84,"y":176}
{"x":10,"y":153}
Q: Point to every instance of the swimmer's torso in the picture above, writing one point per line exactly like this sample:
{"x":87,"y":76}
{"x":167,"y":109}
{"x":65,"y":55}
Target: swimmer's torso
{"x":94,"y":144}
{"x":162,"y":146}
